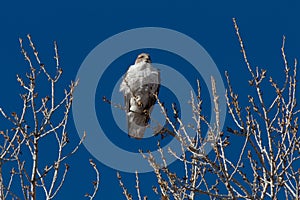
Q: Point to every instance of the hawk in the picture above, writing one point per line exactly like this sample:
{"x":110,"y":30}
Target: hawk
{"x":140,"y":87}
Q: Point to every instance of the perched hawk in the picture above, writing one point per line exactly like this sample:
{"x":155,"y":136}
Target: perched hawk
{"x":139,"y":86}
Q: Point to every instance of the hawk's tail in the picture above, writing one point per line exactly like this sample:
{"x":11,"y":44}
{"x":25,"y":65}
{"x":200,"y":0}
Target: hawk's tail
{"x":137,"y":124}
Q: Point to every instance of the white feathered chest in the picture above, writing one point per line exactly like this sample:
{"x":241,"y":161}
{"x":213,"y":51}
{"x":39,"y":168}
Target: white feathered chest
{"x":138,"y":76}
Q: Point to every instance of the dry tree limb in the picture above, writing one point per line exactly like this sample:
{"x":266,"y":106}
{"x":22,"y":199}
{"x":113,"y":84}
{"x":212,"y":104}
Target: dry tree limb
{"x":125,"y":191}
{"x":42,"y":118}
{"x":266,"y":161}
{"x":96,"y":182}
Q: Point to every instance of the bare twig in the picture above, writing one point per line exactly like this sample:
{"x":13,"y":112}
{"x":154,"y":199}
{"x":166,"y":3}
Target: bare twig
{"x":96,"y":182}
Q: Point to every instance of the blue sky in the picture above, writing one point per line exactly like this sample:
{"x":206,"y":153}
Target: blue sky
{"x":79,"y":27}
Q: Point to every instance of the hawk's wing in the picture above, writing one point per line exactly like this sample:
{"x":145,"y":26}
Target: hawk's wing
{"x":139,"y":85}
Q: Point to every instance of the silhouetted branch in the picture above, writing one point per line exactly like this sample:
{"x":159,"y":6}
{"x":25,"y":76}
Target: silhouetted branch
{"x":266,"y":159}
{"x":96,"y":182}
{"x":41,"y":118}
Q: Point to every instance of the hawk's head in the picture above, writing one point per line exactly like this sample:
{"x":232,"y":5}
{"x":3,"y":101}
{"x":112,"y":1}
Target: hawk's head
{"x":143,"y":57}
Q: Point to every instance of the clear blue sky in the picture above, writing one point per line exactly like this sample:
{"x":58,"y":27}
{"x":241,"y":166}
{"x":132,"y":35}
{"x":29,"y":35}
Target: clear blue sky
{"x":79,"y":27}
